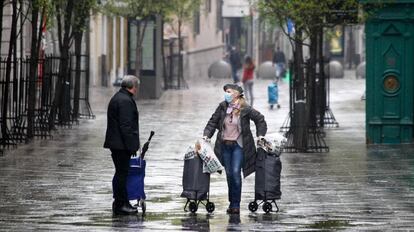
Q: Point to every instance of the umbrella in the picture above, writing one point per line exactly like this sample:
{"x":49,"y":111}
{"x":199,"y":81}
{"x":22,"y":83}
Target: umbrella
{"x":146,"y":144}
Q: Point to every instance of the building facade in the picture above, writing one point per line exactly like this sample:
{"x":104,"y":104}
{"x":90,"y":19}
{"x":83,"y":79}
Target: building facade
{"x":203,"y":40}
{"x":108,"y":49}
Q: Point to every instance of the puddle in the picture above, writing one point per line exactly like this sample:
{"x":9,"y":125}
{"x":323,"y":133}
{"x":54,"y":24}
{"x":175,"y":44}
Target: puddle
{"x":329,"y":224}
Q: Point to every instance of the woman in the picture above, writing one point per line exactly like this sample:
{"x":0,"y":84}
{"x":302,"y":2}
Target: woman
{"x":247,"y":80}
{"x":235,"y":146}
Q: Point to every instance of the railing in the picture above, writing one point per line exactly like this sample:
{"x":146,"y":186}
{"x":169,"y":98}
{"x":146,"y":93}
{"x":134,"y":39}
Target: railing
{"x":173,"y":70}
{"x":14,"y":106}
{"x":305,"y":134}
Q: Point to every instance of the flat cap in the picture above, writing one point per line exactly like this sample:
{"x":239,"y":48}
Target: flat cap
{"x":234,"y":87}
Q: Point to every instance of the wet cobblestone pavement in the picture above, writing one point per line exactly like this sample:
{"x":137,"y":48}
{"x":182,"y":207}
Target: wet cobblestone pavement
{"x":64,"y":184}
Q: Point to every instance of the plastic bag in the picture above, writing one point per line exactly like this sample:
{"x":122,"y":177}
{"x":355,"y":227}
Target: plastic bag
{"x":273,"y":144}
{"x":211,"y":163}
{"x":190,"y":153}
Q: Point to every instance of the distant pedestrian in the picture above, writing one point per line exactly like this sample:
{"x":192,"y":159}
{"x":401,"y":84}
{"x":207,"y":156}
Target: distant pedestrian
{"x":235,"y":63}
{"x":279,"y":60}
{"x":235,"y":146}
{"x":122,"y":138}
{"x":247,"y":80}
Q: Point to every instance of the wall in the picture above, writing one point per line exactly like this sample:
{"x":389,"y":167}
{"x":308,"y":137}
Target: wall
{"x":108,"y":37}
{"x":205,"y":47}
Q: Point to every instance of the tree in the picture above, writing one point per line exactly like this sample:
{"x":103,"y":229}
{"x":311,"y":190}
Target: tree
{"x":71,"y":20}
{"x":179,"y":12}
{"x":309,"y":17}
{"x":10,"y":56}
{"x":82,"y":11}
{"x":39,"y":11}
{"x":140,"y":11}
{"x":11,"y":59}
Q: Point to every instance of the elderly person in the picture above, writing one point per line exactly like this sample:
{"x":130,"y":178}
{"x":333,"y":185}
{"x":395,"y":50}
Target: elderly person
{"x":122,"y":138}
{"x":235,"y":146}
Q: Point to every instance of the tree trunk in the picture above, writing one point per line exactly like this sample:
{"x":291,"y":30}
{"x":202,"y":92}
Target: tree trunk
{"x":1,"y":17}
{"x":10,"y":53}
{"x":180,"y":56}
{"x":59,"y":105}
{"x":351,"y":48}
{"x":322,"y":80}
{"x":81,"y":17}
{"x":138,"y":51}
{"x":3,"y":121}
{"x":299,"y":121}
{"x":311,"y":88}
{"x":76,"y":95}
{"x":140,"y":39}
{"x":298,"y":66}
{"x":34,"y":54}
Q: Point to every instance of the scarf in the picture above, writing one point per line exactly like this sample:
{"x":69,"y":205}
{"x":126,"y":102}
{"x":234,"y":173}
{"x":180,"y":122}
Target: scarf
{"x":231,"y":107}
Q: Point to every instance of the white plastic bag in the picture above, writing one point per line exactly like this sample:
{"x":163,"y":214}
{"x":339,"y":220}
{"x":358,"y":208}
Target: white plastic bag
{"x":190,"y":153}
{"x":211,"y":163}
{"x":279,"y":142}
{"x":273,"y":143}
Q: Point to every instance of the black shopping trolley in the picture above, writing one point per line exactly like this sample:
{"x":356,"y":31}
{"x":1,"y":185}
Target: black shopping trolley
{"x":196,"y":185}
{"x":267,"y":181}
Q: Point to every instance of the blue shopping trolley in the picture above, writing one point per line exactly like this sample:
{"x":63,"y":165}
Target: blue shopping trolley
{"x":273,"y":94}
{"x":136,"y":176}
{"x":135,"y":182}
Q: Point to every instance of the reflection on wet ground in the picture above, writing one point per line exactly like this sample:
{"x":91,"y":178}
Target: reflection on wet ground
{"x":64,"y":183}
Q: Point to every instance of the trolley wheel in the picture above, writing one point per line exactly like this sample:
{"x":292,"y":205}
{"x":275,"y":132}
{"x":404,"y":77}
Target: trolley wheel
{"x":267,"y":207}
{"x":193,"y":207}
{"x":143,"y":206}
{"x":253,"y":206}
{"x":210,"y":207}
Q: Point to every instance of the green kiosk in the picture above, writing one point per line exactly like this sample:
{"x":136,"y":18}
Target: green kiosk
{"x":389,"y":72}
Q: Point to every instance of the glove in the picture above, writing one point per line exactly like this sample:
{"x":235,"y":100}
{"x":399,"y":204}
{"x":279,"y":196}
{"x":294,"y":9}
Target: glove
{"x":261,"y":141}
{"x":134,"y":154}
{"x":205,"y":138}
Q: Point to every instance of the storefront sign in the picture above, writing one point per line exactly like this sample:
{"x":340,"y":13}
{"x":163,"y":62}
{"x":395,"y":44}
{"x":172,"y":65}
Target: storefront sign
{"x":236,"y":8}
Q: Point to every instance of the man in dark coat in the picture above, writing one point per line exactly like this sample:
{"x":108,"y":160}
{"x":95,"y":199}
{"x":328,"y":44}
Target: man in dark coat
{"x":235,"y":63}
{"x":122,"y":138}
{"x":280,"y":61}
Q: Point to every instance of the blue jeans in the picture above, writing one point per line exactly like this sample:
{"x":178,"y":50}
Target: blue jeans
{"x":232,"y":160}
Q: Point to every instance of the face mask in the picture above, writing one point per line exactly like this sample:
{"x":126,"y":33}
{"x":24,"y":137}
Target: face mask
{"x":228,"y":97}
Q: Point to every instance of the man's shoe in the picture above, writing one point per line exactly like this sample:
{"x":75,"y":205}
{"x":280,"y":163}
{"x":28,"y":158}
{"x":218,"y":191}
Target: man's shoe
{"x":125,"y":209}
{"x":233,"y":211}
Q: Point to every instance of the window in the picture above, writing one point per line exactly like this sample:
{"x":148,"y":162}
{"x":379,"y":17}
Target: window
{"x":208,"y":6}
{"x":132,"y":44}
{"x":147,"y":46}
{"x":196,"y":22}
{"x":219,"y":18}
